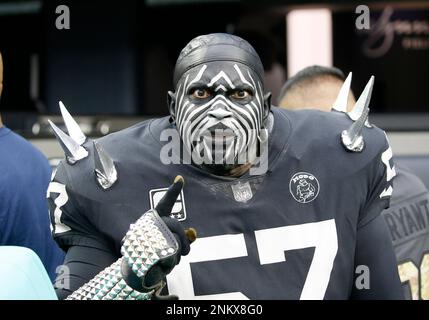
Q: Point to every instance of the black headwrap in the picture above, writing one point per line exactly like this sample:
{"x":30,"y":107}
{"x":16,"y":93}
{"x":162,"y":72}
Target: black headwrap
{"x":217,"y":47}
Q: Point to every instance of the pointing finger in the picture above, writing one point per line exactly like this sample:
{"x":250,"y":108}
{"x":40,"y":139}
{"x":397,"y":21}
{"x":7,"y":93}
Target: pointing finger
{"x":167,"y":202}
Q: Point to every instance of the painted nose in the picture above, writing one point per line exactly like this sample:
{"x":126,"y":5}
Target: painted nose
{"x":219,"y":113}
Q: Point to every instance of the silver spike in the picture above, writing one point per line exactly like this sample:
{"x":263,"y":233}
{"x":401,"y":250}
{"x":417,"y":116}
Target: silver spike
{"x":363,"y":102}
{"x":73,"y":151}
{"x":73,"y":128}
{"x":340,"y":103}
{"x":105,"y":170}
{"x":352,"y":138}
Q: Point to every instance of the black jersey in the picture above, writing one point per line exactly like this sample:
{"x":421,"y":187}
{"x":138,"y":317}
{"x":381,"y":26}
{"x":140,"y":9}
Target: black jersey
{"x":289,"y":233}
{"x":408,"y":222}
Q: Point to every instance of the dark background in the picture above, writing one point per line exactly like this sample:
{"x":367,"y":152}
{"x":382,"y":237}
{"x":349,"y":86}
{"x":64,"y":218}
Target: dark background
{"x":401,"y":74}
{"x":118,"y":56}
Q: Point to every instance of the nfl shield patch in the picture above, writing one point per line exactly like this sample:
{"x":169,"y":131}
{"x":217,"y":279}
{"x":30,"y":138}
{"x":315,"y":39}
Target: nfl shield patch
{"x":242,"y":191}
{"x":179,"y":210}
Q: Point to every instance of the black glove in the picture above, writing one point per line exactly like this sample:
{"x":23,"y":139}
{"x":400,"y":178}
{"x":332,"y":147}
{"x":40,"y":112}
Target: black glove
{"x":164,"y":207}
{"x":154,"y":278}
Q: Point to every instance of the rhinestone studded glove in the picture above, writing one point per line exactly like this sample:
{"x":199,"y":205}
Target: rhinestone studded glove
{"x":150,"y":250}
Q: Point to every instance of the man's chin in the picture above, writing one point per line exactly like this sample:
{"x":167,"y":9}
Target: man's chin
{"x":219,"y":140}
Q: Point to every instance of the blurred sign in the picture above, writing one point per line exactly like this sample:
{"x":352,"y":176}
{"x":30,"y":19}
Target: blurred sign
{"x":409,"y":29}
{"x":395,"y":50}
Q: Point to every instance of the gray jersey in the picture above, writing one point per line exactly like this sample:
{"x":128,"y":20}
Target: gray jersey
{"x":408,"y":222}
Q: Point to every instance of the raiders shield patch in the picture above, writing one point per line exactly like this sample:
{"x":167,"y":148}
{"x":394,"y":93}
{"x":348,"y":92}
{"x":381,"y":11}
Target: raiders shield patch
{"x":304,"y":187}
{"x":179,"y":210}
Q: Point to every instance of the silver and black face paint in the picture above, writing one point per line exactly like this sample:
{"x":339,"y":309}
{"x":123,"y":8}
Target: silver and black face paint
{"x":218,"y":105}
{"x":219,"y":113}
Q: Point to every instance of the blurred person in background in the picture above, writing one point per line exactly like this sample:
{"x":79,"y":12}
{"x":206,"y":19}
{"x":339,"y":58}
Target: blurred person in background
{"x":317,"y":87}
{"x":24,"y":179}
{"x":314,"y":87}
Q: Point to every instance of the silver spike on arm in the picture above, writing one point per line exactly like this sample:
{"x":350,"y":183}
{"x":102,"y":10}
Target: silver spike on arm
{"x":362,"y":102}
{"x":73,"y":151}
{"x":71,"y":143}
{"x":352,"y":138}
{"x":340,"y":103}
{"x":72,"y":126}
{"x":104,"y":167}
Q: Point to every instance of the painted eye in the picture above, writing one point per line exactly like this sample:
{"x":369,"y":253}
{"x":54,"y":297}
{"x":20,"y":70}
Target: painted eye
{"x":201,"y":93}
{"x":240,"y":94}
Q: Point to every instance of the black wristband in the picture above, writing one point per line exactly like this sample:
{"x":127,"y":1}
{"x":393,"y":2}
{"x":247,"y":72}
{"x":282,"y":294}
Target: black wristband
{"x":133,"y":280}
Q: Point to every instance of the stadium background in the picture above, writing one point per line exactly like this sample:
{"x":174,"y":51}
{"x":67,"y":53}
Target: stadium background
{"x":113,"y":67}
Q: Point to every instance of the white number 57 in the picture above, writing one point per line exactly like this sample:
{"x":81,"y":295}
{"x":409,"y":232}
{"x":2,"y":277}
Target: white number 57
{"x":272,"y":244}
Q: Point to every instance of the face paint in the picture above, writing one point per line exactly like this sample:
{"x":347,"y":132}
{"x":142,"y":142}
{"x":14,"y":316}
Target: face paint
{"x":219,"y":113}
